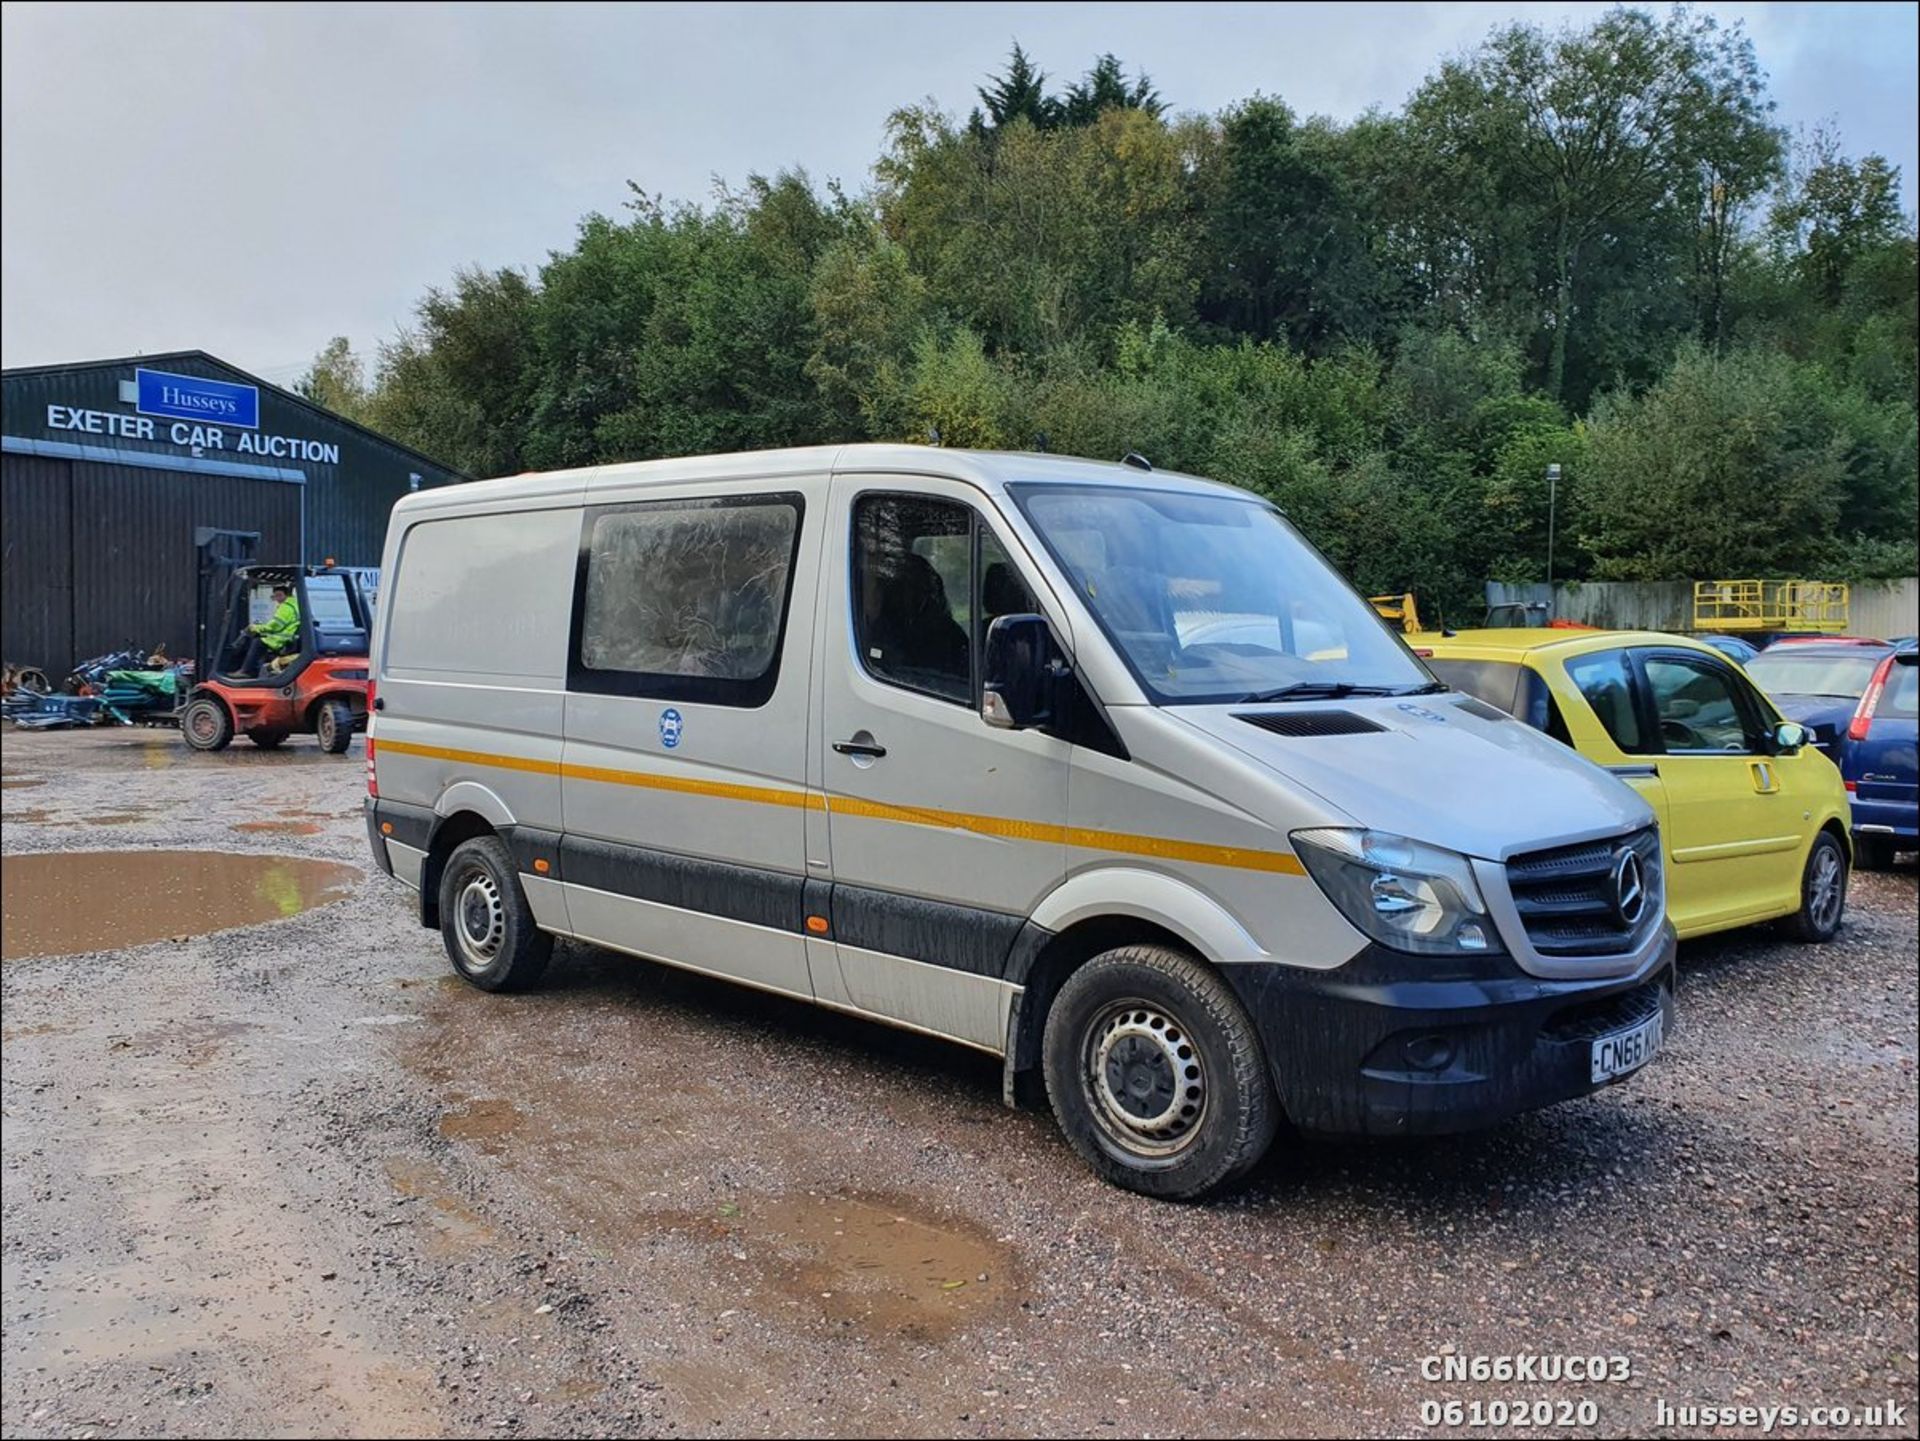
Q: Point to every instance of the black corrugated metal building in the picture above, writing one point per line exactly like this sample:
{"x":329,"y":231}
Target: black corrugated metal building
{"x":111,"y":471}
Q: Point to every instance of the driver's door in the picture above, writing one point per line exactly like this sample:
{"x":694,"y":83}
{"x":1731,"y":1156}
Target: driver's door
{"x":944,"y":832}
{"x":1734,"y":829}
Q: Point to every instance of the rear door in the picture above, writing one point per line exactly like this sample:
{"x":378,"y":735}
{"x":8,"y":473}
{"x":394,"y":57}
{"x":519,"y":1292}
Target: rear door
{"x":684,"y":774}
{"x":944,"y":832}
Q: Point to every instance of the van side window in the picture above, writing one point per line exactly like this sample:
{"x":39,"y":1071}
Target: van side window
{"x":1002,"y":591}
{"x":1606,"y":680}
{"x":913,"y":592}
{"x":685,"y":599}
{"x":929,"y":577}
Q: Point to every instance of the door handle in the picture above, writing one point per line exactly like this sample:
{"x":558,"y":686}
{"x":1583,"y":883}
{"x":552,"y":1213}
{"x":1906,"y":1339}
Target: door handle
{"x":866,"y":748}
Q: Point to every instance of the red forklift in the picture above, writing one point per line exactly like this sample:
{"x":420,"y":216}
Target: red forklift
{"x":318,"y":686}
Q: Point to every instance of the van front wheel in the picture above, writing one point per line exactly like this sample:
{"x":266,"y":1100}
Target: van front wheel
{"x":485,"y":920}
{"x":1157,"y":1075}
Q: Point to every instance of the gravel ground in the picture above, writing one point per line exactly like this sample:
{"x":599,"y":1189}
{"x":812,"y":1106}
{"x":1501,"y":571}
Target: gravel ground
{"x":292,"y":1179}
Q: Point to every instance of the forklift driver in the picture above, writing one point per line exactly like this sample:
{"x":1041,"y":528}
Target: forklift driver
{"x":272,"y":637}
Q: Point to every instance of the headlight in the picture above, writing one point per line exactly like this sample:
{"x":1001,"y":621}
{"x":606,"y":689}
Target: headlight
{"x":1399,"y":892}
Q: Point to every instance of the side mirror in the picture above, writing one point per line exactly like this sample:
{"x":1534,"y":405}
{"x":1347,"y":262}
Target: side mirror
{"x":1018,"y":673}
{"x":1788,"y":737}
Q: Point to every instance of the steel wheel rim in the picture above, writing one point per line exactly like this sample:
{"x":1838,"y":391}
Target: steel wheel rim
{"x":479,"y":919}
{"x":1143,"y":1072}
{"x":203,"y":722}
{"x":1825,"y":901}
{"x":326,"y":725}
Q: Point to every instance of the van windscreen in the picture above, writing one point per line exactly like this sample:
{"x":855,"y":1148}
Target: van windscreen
{"x":1213,"y":599}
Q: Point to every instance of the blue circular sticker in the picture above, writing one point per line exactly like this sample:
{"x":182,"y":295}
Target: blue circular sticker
{"x":669,"y":728}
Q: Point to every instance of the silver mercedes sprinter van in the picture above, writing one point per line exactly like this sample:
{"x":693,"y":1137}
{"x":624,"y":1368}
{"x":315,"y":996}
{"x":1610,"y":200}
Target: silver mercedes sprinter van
{"x":1096,"y":768}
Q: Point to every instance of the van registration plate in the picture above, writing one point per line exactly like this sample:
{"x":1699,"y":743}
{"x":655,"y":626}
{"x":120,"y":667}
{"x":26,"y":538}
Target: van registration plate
{"x":1625,"y":1052}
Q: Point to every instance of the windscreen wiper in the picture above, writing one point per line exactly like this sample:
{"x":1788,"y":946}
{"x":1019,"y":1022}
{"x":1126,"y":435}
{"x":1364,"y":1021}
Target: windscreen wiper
{"x":1334,"y":690}
{"x":1308,"y":690}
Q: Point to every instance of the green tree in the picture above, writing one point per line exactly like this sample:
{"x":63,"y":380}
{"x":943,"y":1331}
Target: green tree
{"x":1044,"y":238}
{"x":457,"y":384}
{"x":1724,"y":468}
{"x":336,"y":380}
{"x":1105,"y":87}
{"x":1020,"y":93}
{"x":1283,"y":251}
{"x":1604,"y":125}
{"x":869,"y":311}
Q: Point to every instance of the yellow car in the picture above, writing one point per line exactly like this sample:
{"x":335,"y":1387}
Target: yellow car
{"x":1753,"y":818}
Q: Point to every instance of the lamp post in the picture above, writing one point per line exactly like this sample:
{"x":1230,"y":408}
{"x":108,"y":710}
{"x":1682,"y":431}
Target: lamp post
{"x":1553,"y":498}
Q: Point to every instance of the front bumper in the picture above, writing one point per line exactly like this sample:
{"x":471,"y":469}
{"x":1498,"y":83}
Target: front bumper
{"x":1397,"y":1045}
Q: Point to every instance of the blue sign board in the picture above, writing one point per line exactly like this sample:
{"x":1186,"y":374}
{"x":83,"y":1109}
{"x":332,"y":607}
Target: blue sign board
{"x":192,"y":397}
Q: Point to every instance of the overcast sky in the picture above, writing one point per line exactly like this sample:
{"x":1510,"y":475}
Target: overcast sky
{"x":252,"y":180}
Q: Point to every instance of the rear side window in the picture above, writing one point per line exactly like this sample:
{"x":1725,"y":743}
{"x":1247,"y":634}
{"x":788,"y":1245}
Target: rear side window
{"x":685,"y":599}
{"x":1901,"y":700}
{"x":482,"y":595}
{"x":1606,"y":680}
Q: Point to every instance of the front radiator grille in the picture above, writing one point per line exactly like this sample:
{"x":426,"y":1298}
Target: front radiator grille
{"x":1569,"y":897}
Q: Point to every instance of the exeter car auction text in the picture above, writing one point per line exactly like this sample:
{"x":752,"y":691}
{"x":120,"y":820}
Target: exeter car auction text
{"x":188,"y":433}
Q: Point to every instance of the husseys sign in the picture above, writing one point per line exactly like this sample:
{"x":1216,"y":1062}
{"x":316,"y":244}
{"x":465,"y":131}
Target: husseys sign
{"x":200,"y":415}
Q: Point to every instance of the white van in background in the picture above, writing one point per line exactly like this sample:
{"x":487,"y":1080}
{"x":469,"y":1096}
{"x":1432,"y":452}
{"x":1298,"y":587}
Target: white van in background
{"x":1099,"y":769}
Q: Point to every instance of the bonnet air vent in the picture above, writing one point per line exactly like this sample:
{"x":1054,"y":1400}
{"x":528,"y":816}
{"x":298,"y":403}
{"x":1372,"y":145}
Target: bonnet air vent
{"x":1310,"y":722}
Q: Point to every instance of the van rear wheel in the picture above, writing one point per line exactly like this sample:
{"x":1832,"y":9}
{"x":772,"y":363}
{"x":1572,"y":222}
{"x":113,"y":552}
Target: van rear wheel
{"x":485,"y":919}
{"x":1157,"y":1075}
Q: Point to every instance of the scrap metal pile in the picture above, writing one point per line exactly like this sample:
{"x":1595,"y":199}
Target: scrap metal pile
{"x":123,"y":687}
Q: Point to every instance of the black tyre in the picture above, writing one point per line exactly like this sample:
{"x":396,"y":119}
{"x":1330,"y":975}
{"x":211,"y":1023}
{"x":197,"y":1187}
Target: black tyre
{"x":1873,"y":853}
{"x":267,"y":739}
{"x":1823,"y":891}
{"x":207,"y":724}
{"x":485,"y":919}
{"x":334,"y":726}
{"x":1156,"y":1074}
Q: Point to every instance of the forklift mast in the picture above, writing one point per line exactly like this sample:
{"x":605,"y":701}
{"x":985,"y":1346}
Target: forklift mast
{"x":222,"y":553}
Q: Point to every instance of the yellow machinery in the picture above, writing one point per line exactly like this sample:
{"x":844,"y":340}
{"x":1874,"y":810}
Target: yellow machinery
{"x":1399,"y":611}
{"x":1730,"y":606}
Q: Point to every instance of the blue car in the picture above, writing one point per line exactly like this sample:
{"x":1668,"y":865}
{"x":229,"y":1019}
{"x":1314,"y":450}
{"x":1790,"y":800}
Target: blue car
{"x":1731,"y":646}
{"x":1881,"y":762}
{"x":1858,"y":700}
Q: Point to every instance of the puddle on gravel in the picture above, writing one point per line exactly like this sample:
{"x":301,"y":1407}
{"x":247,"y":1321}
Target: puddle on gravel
{"x":871,"y":1262}
{"x":24,"y":816}
{"x":456,"y":1225}
{"x":53,"y":902}
{"x":487,"y":1122}
{"x":18,"y":783}
{"x":115,"y":818}
{"x":278,"y":828}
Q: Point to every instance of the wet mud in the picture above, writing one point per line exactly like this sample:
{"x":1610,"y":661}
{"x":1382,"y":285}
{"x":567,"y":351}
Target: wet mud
{"x":62,"y":903}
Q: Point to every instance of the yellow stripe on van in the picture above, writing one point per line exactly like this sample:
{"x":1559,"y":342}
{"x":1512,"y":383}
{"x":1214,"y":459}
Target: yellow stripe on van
{"x":466,"y":758}
{"x":689,"y":785}
{"x":1161,"y":848}
{"x":683,"y":785}
{"x":1005,"y":827}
